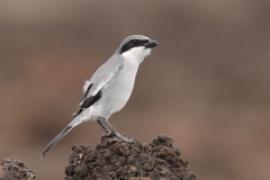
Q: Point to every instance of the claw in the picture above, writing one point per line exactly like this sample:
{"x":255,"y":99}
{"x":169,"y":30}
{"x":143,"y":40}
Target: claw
{"x":126,"y":139}
{"x":123,"y":138}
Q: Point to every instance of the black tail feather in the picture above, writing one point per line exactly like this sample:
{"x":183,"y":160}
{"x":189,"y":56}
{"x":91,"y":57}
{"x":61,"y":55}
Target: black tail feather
{"x":55,"y":140}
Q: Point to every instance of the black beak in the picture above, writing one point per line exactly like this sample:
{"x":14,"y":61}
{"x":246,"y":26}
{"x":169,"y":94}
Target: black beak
{"x":151,"y":44}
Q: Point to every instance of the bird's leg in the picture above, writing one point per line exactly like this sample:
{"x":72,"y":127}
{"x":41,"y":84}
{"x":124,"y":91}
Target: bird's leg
{"x":101,"y":122}
{"x":117,"y":134}
{"x":110,"y":130}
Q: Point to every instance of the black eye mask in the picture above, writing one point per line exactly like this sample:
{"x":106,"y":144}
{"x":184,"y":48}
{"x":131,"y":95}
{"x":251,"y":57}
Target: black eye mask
{"x":133,"y":43}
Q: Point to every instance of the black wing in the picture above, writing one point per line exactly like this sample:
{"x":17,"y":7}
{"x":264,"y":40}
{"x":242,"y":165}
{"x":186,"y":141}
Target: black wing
{"x":86,"y":102}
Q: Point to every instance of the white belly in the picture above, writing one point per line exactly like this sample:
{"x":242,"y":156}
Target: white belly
{"x":117,"y":93}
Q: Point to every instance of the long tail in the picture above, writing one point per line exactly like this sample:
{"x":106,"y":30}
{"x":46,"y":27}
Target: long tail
{"x":59,"y":136}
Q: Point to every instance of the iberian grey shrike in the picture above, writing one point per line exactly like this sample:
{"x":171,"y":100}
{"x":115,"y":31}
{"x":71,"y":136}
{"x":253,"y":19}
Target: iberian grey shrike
{"x":110,"y":87}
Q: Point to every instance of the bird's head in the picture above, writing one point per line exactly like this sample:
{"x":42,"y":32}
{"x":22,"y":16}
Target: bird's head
{"x":136,"y":47}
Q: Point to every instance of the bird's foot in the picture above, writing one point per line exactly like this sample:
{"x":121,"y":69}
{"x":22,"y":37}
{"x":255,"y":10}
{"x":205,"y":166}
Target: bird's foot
{"x":123,"y":138}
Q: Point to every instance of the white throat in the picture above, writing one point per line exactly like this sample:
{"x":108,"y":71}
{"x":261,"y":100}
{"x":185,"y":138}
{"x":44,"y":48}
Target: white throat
{"x":136,"y":54}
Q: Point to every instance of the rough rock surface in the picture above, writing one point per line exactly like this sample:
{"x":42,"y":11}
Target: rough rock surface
{"x":115,"y":159}
{"x":12,"y":169}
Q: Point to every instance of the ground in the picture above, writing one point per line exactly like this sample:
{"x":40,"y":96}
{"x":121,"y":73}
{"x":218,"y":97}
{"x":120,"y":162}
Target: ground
{"x":12,"y":169}
{"x":115,"y":159}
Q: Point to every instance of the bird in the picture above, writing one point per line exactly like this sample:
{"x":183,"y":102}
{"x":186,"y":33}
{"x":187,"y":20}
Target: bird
{"x":109,"y":88}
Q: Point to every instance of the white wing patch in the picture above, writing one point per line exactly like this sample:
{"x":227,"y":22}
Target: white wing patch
{"x":86,"y":85}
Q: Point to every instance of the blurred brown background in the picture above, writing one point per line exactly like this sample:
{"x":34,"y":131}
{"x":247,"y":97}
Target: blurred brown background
{"x":206,"y":85}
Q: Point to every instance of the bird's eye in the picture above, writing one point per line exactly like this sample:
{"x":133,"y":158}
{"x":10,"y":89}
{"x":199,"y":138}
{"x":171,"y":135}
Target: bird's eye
{"x":136,"y":42}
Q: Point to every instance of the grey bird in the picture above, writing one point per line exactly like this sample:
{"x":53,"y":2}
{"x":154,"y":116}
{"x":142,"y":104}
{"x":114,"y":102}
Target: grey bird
{"x":110,"y":87}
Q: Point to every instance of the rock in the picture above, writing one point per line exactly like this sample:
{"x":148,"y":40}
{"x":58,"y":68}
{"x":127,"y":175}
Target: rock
{"x":115,"y":159}
{"x":12,"y":169}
